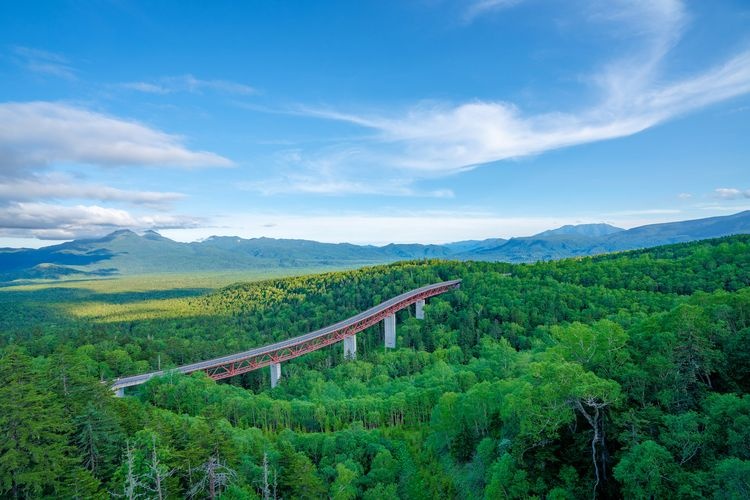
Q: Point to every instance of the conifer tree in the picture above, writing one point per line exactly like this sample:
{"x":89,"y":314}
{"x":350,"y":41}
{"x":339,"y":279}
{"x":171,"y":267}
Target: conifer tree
{"x":34,"y":433}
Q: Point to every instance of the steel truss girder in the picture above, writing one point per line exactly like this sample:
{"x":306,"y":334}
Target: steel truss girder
{"x":238,"y":367}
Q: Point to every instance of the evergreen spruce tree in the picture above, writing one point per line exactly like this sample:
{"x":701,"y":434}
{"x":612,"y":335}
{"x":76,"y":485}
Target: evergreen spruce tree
{"x":34,"y":433}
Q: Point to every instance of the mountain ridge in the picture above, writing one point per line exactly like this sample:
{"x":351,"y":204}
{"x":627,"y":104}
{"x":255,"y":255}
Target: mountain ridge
{"x":124,"y":252}
{"x":593,"y":230}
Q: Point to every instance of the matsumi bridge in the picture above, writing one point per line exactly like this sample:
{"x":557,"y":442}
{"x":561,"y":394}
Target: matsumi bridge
{"x":273,"y":355}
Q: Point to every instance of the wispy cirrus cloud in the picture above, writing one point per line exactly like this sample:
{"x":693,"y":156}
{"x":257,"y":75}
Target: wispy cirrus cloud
{"x":732,"y":193}
{"x":313,"y":184}
{"x":38,"y":134}
{"x":148,"y":88}
{"x":442,"y":138}
{"x":647,"y":211}
{"x":188,"y":83}
{"x":477,"y":8}
{"x":430,"y":139}
{"x":44,"y":62}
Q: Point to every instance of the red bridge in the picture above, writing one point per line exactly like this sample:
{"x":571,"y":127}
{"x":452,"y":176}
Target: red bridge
{"x":273,"y":354}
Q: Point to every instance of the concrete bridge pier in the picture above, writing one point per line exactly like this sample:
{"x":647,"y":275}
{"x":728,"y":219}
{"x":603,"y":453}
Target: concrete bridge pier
{"x":420,"y":309}
{"x":350,"y":347}
{"x":275,"y":374}
{"x":120,"y":392}
{"x":390,"y":330}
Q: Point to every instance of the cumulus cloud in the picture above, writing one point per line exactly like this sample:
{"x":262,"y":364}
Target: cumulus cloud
{"x":37,"y":137}
{"x":732,"y":193}
{"x":58,"y":187}
{"x":189,"y":83}
{"x":50,"y":221}
{"x":431,"y":139}
{"x":38,"y":134}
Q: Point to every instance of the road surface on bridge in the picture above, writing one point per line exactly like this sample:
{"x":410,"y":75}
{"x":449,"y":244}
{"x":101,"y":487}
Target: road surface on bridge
{"x":242,"y":362}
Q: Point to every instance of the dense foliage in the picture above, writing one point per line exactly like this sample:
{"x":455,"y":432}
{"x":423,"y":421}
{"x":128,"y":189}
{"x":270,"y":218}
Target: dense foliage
{"x":621,"y":375}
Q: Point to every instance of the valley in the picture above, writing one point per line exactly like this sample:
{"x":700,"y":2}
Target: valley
{"x":521,"y":364}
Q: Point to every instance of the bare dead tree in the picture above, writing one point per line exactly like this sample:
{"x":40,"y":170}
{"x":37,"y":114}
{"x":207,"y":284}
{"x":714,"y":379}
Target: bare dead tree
{"x":275,"y":482}
{"x":132,"y":485}
{"x":215,"y":476}
{"x":268,"y":489}
{"x":157,"y":472}
{"x":592,"y":412}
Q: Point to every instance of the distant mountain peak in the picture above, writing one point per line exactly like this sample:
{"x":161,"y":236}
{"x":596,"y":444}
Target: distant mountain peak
{"x":120,"y":233}
{"x":124,"y":252}
{"x":150,"y":234}
{"x":591,"y":230}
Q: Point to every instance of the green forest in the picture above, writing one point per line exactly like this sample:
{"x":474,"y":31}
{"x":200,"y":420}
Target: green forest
{"x":618,"y":376}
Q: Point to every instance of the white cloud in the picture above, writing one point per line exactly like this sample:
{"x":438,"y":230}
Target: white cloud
{"x":444,"y":139}
{"x":734,"y":208}
{"x":437,"y":139}
{"x":648,"y":211}
{"x":57,"y":186}
{"x":480,"y":7}
{"x":324,"y":175}
{"x":732,"y":193}
{"x":436,"y":227}
{"x":314,"y":184}
{"x":189,"y":83}
{"x":402,"y":227}
{"x":684,"y":196}
{"x":42,"y":61}
{"x":149,"y":88}
{"x":654,"y":26}
{"x":38,"y":134}
{"x":58,"y":222}
{"x":32,"y":53}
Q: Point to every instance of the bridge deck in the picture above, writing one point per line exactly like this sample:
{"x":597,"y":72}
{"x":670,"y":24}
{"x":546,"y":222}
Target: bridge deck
{"x":348,"y":327}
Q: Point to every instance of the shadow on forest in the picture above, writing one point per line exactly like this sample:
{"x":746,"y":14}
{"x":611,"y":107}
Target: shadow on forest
{"x":14,"y":261}
{"x":71,"y":294}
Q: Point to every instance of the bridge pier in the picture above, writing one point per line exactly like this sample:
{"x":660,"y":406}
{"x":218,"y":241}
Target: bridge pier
{"x":350,"y":347}
{"x":229,"y":366}
{"x":275,"y":374}
{"x":390,"y":330}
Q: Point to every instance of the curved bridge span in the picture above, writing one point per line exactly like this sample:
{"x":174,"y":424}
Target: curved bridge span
{"x":273,"y":354}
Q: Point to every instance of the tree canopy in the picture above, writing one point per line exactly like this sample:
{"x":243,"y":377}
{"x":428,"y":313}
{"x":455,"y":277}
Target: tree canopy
{"x":623,"y":375}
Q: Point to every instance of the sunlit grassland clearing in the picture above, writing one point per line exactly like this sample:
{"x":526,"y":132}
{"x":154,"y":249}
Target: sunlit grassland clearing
{"x":127,"y":298}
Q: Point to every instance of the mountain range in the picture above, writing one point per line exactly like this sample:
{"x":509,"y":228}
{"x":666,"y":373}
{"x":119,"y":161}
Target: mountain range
{"x":124,"y":252}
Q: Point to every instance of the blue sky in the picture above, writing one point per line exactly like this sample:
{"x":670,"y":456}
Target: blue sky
{"x":369,"y":122}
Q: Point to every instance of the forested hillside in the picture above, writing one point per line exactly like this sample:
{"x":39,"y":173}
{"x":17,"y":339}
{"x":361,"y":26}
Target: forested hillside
{"x":125,"y":253}
{"x":624,"y":375}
